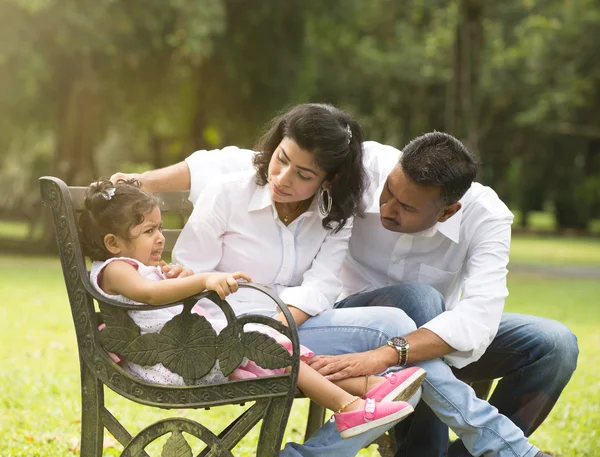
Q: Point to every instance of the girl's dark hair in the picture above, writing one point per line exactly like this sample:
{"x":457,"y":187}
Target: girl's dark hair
{"x":335,"y":140}
{"x":111,"y":208}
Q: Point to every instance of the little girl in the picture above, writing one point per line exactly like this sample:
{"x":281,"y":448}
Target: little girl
{"x":122,"y":233}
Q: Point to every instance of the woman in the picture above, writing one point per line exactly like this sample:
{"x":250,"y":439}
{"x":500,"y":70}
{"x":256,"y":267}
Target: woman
{"x":287,"y":223}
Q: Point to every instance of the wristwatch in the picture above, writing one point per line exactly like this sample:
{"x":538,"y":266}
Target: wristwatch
{"x":401,"y":346}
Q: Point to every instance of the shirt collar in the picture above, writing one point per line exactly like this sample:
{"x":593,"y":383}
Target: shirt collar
{"x":262,"y":199}
{"x":450,"y":229}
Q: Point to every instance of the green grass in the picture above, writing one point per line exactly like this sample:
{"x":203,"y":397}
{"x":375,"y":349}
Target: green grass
{"x":40,"y":377}
{"x":555,"y":251}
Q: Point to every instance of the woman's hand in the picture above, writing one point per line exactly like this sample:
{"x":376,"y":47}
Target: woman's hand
{"x":125,"y":176}
{"x":224,"y":283}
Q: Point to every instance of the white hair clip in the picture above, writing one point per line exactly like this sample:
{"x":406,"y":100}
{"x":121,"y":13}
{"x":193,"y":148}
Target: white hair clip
{"x":349,"y":130}
{"x":109,"y":193}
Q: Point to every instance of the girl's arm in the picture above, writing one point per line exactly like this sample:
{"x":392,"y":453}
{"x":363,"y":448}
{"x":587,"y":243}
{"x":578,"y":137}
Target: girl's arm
{"x":123,"y":279}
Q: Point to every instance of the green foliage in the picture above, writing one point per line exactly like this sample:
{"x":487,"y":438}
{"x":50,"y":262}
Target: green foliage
{"x":95,"y":86}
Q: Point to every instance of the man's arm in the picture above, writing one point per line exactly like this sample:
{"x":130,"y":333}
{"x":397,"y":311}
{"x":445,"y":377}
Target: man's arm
{"x":424,"y":345}
{"x":457,"y":334}
{"x":169,"y":179}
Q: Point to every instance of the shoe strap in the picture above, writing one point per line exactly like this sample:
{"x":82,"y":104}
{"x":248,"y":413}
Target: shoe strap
{"x":370,"y":406}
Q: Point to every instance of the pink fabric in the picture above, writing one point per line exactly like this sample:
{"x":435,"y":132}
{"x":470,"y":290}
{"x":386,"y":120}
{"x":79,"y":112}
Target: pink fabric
{"x":252,"y":370}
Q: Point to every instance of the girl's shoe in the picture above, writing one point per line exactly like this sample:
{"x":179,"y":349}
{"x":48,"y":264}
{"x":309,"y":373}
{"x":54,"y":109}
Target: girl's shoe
{"x":399,"y":386}
{"x":354,"y":423}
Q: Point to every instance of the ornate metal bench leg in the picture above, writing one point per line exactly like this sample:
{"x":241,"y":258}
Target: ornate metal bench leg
{"x":92,"y":402}
{"x":316,"y":417}
{"x":273,"y":427}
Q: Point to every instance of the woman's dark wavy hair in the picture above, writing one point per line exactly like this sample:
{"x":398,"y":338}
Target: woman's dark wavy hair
{"x":117,"y":213}
{"x":321,"y":129}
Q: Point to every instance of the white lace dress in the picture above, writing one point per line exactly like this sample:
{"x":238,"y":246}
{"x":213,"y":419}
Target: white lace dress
{"x":152,"y":322}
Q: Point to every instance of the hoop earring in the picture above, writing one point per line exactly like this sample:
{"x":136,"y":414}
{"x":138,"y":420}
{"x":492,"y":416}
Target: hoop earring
{"x":324,"y":202}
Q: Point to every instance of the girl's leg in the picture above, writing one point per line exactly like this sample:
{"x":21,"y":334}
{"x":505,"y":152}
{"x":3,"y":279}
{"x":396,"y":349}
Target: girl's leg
{"x":324,"y":392}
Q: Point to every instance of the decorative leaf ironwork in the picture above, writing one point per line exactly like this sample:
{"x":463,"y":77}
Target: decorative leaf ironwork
{"x":187,"y":346}
{"x":144,"y":350}
{"x":120,"y":329}
{"x":176,"y":446}
{"x":114,"y":317}
{"x":265,"y":351}
{"x":116,"y":339}
{"x":230,"y":350}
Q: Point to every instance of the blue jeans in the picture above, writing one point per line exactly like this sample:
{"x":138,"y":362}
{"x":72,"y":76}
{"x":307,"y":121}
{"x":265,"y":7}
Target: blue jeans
{"x":354,"y":329}
{"x":535,"y":357}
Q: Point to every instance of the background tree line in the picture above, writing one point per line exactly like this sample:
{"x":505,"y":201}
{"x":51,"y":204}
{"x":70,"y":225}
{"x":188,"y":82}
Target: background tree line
{"x":89,"y":87}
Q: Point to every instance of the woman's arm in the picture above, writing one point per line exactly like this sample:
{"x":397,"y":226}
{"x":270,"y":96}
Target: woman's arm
{"x":123,"y":279}
{"x":321,"y":284}
{"x":169,"y":179}
{"x":193,"y":174}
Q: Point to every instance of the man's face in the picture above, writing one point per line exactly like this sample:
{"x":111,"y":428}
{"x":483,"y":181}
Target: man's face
{"x":407,"y":207}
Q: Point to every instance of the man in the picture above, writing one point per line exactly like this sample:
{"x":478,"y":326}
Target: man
{"x":426,"y":222}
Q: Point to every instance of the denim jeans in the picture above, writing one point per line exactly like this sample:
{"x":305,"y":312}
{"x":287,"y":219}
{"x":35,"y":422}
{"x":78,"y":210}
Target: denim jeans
{"x":357,"y":329}
{"x":535,"y":357}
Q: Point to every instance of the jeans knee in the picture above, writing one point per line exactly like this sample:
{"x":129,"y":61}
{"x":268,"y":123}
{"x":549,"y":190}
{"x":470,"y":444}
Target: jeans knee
{"x":420,"y":299}
{"x":561,"y":344}
{"x":399,"y":323}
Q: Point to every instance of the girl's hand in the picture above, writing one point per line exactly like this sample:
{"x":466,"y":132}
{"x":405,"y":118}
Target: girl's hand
{"x":225,"y":283}
{"x":175,"y":271}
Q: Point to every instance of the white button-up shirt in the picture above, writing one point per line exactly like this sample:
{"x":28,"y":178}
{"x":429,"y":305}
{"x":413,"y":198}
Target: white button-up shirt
{"x":235,"y":227}
{"x":464,"y":258}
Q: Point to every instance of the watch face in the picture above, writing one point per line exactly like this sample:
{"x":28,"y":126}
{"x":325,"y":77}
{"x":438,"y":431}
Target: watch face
{"x":399,"y":341}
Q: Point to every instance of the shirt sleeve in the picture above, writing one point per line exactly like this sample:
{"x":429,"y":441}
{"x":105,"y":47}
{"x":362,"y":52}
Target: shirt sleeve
{"x":205,"y":166}
{"x":321,"y":283}
{"x":472,"y":325}
{"x":200,"y":243}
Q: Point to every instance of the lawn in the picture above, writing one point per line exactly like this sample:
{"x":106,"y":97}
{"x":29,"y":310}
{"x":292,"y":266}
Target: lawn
{"x":40,"y":380}
{"x":554,"y":251}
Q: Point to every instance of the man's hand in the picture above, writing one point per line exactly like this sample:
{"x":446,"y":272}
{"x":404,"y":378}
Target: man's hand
{"x":338,"y":367}
{"x":175,"y":271}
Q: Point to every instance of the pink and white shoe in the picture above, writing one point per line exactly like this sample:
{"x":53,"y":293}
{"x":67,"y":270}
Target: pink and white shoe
{"x":399,"y":386}
{"x":374,"y":414}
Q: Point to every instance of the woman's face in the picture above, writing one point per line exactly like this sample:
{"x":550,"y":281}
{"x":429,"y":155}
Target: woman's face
{"x":293,"y":175}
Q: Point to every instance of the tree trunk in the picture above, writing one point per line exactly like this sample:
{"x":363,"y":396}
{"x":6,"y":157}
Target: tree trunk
{"x":78,"y":123}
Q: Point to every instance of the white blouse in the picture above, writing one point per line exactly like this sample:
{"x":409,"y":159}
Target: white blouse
{"x":235,"y":227}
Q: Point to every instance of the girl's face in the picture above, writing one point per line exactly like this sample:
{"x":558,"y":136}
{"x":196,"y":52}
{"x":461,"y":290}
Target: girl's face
{"x":293,"y":175}
{"x":146,"y":241}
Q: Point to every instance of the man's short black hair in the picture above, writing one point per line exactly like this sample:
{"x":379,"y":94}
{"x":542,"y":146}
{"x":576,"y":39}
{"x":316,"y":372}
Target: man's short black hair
{"x":438,"y":159}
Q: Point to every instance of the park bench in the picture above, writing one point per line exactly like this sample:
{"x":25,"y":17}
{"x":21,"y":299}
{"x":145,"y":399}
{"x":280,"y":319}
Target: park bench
{"x":272,"y":395}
